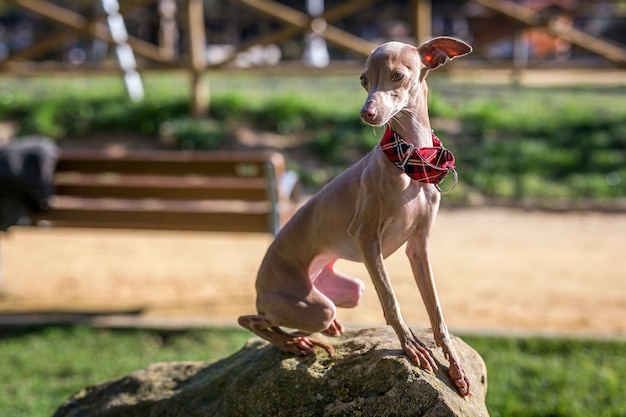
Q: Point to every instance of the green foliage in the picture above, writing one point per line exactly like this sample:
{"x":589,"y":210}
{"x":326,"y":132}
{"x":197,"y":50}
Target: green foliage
{"x":439,"y":107}
{"x":528,"y":377}
{"x":284,"y":114}
{"x":515,"y":143}
{"x":553,"y":376}
{"x":556,"y":153}
{"x":63,"y":117}
{"x":39,"y":370}
{"x":336,"y":139}
{"x":230,"y":107}
{"x":193,"y":134}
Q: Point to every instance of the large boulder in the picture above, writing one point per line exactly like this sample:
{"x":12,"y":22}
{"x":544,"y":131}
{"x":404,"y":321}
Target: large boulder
{"x":367,"y":376}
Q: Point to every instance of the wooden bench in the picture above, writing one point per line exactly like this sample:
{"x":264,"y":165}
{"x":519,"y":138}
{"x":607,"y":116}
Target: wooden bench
{"x":171,"y":190}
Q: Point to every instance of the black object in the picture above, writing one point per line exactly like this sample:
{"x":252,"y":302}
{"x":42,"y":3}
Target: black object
{"x":26,"y":174}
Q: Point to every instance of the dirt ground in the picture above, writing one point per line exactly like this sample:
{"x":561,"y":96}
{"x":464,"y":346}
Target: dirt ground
{"x":497,"y":270}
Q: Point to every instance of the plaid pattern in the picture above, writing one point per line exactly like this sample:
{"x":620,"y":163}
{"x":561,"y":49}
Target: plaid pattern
{"x":429,"y":165}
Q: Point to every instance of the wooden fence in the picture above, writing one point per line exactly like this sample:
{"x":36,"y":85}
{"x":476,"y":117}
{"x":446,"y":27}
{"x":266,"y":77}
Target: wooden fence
{"x":545,"y":33}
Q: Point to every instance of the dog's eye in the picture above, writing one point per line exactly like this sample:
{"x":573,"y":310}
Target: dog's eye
{"x":364,"y":81}
{"x":397,"y":76}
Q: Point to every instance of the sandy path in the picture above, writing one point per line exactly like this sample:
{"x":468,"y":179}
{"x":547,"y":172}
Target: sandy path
{"x":497,"y":270}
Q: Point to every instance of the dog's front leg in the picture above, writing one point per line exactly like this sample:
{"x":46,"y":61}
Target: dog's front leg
{"x":417,"y":251}
{"x":369,"y":244}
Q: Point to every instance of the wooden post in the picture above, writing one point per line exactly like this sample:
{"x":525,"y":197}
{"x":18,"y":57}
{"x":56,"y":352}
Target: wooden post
{"x":423,"y":18}
{"x":197,"y":57}
{"x":336,"y":13}
{"x":168,"y":32}
{"x":295,"y":18}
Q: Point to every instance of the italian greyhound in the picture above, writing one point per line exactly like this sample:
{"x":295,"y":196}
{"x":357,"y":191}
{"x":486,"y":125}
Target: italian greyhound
{"x":363,"y":215}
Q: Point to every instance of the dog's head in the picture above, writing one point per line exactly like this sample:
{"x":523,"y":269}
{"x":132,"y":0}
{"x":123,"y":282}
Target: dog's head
{"x":395,"y":72}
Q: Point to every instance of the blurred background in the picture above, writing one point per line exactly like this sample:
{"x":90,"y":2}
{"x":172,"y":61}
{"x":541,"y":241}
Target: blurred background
{"x":530,"y":243}
{"x":282,"y":65}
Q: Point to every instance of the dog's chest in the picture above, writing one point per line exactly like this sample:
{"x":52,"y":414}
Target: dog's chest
{"x":396,"y":233}
{"x":412,"y":212}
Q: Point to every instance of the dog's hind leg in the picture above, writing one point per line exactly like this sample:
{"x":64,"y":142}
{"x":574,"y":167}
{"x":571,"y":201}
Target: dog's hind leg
{"x":344,"y":290}
{"x":297,"y":343}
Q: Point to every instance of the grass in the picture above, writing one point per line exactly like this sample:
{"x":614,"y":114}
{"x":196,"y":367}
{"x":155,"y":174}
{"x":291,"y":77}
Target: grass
{"x":528,"y":377}
{"x":334,"y":92}
{"x":39,"y":370}
{"x":524,"y":144}
{"x":553,"y":376}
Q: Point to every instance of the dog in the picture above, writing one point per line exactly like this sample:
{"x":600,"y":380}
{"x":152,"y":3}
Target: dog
{"x":364,"y":215}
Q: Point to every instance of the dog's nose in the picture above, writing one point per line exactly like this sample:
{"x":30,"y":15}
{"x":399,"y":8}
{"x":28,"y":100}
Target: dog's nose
{"x":368,"y":114}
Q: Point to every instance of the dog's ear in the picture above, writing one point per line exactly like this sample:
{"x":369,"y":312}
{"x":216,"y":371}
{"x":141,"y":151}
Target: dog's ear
{"x":437,"y":51}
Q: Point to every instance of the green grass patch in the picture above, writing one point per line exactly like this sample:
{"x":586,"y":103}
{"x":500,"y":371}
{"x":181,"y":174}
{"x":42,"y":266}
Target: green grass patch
{"x":515,"y":143}
{"x":550,"y":377}
{"x":527,"y":376}
{"x":39,"y":370}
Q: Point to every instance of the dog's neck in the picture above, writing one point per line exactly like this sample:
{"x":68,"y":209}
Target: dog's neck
{"x":412,"y":123}
{"x":418,"y":134}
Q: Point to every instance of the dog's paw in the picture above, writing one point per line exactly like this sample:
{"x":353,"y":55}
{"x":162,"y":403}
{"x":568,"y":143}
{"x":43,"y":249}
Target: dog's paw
{"x":419,"y":353}
{"x":335,"y":329}
{"x":457,"y":374}
{"x":303,"y":346}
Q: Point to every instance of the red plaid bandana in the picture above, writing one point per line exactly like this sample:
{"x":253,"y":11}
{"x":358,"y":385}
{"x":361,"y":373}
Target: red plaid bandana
{"x":429,"y":164}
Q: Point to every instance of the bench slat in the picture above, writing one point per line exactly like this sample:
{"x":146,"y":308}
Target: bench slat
{"x":140,"y":187}
{"x":155,"y":214}
{"x":212,"y":164}
{"x":170,"y":190}
{"x":209,"y":222}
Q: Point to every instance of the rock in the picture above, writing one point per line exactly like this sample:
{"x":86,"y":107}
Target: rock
{"x":367,"y":376}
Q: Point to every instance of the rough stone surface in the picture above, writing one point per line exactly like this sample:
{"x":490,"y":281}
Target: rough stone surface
{"x":367,"y":376}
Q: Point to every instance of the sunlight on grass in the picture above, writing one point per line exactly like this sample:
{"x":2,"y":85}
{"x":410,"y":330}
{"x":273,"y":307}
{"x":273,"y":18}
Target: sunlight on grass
{"x":553,"y":377}
{"x":527,"y":376}
{"x":339,"y":92}
{"x":533,"y":145}
{"x":39,"y":370}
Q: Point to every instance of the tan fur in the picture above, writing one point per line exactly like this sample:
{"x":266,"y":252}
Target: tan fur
{"x":363,"y":215}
